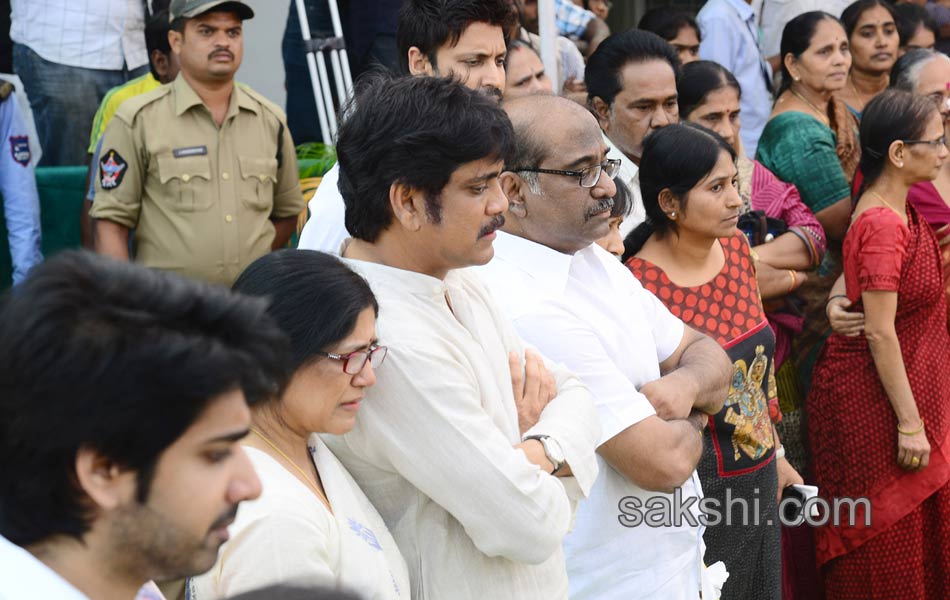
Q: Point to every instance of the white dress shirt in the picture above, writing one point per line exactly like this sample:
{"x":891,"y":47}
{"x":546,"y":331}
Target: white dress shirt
{"x":630,"y":175}
{"x":433,"y":447}
{"x":24,"y":577}
{"x":774,"y":15}
{"x":588,"y":312}
{"x":730,"y":37}
{"x":92,"y":34}
{"x":325,"y":229}
{"x":288,"y":536}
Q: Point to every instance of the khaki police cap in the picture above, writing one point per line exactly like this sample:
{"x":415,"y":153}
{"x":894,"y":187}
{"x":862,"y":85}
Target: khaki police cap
{"x":192,"y":8}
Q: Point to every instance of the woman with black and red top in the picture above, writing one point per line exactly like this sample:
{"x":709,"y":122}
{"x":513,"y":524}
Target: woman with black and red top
{"x":691,"y":255}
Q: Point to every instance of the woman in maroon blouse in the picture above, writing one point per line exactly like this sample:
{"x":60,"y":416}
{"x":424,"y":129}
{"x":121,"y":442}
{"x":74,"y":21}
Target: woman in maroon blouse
{"x":879,"y":405}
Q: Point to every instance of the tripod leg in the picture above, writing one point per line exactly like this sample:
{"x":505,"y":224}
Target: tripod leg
{"x":318,"y":94}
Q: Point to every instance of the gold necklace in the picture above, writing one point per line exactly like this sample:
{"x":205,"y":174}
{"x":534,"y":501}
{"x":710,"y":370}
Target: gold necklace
{"x":320,"y":493}
{"x":886,"y":203}
{"x":817,"y":111}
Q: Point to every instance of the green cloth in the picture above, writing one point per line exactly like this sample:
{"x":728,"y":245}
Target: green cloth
{"x":61,"y":191}
{"x":800,"y":150}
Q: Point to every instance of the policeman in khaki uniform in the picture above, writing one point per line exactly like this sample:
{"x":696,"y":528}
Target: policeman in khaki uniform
{"x":202,"y":169}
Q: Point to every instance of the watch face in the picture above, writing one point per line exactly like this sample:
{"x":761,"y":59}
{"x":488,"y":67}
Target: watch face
{"x":553,"y":449}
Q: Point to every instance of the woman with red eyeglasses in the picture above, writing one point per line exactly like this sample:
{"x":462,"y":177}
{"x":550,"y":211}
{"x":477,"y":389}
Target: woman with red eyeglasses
{"x":312,"y":524}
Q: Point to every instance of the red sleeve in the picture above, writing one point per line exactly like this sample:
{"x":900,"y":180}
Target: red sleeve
{"x":880,"y":244}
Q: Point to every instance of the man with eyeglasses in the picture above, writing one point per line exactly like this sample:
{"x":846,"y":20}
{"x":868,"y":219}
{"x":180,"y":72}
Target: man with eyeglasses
{"x":474,"y":461}
{"x":653,"y":379}
{"x":631,"y":88}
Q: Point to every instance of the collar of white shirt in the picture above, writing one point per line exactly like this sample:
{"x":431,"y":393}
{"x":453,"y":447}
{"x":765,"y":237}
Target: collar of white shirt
{"x":629,"y":171}
{"x":24,"y":577}
{"x":549,"y":268}
{"x":402,"y":279}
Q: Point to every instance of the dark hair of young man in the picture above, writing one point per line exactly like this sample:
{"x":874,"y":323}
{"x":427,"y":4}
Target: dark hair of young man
{"x":333,"y":294}
{"x":603,"y":72}
{"x":156,"y":37}
{"x":112,"y":356}
{"x":431,"y":24}
{"x":667,"y":21}
{"x":417,"y":131}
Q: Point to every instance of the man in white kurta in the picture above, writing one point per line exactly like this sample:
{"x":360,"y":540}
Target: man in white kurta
{"x":580,"y":306}
{"x":439,"y":446}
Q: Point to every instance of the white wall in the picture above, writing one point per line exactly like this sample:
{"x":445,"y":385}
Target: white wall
{"x":263,"y":65}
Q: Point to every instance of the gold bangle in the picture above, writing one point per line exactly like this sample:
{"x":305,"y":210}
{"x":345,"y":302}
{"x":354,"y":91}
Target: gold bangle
{"x":791,"y":287}
{"x":915,"y":432}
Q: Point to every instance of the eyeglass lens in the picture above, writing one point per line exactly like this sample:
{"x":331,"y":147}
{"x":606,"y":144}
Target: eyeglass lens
{"x":357,"y":360}
{"x":591,"y":175}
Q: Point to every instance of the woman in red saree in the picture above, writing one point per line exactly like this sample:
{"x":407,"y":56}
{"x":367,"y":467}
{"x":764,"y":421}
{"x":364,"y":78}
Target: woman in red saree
{"x":879,"y":415}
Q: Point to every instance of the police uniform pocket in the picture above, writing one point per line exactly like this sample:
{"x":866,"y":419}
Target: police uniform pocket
{"x":186,"y":182}
{"x":258,"y":176}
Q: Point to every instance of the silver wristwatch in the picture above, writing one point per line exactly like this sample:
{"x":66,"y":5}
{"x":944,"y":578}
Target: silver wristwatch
{"x":552,"y":450}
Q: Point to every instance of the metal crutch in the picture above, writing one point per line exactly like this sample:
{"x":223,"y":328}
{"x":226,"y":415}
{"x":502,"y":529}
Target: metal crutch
{"x":316,"y":64}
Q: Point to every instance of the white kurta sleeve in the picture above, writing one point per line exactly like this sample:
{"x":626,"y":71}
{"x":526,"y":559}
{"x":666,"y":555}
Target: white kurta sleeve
{"x":431,"y":426}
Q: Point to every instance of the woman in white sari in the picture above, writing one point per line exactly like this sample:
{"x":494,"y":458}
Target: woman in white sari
{"x":312,"y":525}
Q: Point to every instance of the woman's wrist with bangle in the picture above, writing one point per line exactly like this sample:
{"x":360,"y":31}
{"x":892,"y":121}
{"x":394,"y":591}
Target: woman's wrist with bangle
{"x":912,"y":431}
{"x":794,"y":282}
{"x":830,"y":298}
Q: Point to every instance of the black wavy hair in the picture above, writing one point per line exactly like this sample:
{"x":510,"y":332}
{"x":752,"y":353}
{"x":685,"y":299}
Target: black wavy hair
{"x":416,"y":131}
{"x":119,"y":358}
{"x":431,"y":24}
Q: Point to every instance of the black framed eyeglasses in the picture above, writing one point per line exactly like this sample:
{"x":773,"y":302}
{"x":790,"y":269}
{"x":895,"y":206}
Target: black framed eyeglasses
{"x":934,"y":144}
{"x":587,"y":178}
{"x":354,"y":362}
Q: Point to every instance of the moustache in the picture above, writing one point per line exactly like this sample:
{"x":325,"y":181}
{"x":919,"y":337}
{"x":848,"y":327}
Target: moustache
{"x":225,"y":519}
{"x":492,"y":92}
{"x":217,"y":52}
{"x":497,"y":223}
{"x":602,"y":206}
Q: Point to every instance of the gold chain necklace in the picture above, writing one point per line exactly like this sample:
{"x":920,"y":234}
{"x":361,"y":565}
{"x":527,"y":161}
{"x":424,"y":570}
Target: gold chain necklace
{"x":817,"y":111}
{"x":320,"y":493}
{"x":886,"y":203}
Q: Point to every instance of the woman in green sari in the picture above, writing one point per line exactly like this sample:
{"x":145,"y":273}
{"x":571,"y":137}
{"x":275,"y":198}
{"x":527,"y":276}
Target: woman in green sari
{"x":811,"y":141}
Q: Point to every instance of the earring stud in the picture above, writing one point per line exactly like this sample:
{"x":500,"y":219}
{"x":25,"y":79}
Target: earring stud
{"x":673,"y":214}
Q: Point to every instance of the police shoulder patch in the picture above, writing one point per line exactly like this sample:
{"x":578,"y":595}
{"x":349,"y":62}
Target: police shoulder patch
{"x":112,"y":168}
{"x":20,"y":149}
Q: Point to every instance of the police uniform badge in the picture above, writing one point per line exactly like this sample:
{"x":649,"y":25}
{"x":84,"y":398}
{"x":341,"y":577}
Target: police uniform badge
{"x":112,"y":168}
{"x":20,"y":149}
